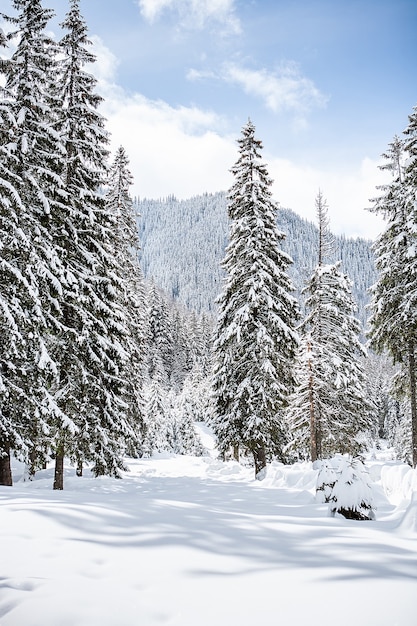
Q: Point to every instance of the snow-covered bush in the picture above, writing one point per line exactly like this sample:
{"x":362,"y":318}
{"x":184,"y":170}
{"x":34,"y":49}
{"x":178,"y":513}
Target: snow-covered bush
{"x":352,"y":493}
{"x":326,"y":480}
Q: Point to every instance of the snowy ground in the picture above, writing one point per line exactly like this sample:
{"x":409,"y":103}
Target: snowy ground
{"x":184,"y":541}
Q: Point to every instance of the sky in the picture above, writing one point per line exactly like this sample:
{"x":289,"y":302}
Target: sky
{"x":327,"y":84}
{"x":183,"y":540}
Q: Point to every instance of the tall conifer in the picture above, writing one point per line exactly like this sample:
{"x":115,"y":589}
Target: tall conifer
{"x":255,"y":340}
{"x":328,"y":409}
{"x":393,"y":325}
{"x":91,"y":346}
{"x":132,"y":294}
{"x":31,"y":192}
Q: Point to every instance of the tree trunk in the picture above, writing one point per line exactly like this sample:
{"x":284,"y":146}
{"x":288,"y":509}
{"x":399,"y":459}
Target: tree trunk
{"x":412,"y":374}
{"x":236,"y":452}
{"x":259,"y":457}
{"x":59,"y":468}
{"x":31,"y":468}
{"x":313,"y":425}
{"x":5,"y":467}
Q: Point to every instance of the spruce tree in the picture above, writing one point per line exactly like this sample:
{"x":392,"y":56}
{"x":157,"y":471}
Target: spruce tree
{"x":31,"y":193}
{"x":393,"y":325}
{"x":160,"y":335}
{"x":255,"y":340}
{"x":121,"y":206}
{"x":329,"y":410}
{"x":351,"y":494}
{"x":91,"y":347}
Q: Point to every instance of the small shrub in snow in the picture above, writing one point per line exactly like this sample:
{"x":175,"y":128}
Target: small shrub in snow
{"x":326,"y":480}
{"x":352,"y":494}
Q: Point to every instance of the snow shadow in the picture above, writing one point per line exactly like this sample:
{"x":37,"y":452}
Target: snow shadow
{"x":264,"y":529}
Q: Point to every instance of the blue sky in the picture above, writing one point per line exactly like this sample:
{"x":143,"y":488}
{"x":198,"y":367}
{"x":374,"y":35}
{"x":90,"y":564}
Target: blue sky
{"x":327,"y":83}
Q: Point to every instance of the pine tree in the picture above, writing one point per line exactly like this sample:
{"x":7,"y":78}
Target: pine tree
{"x":393,"y":325}
{"x":310,"y":401}
{"x":344,"y":416}
{"x":157,"y":411}
{"x":329,"y":412}
{"x":90,"y":348}
{"x":120,"y":205}
{"x":326,"y":480}
{"x":160,"y":341}
{"x":31,"y":192}
{"x":352,"y":493}
{"x":255,"y":340}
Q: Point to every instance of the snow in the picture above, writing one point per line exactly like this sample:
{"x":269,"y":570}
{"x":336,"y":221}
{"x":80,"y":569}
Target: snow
{"x":193,"y":541}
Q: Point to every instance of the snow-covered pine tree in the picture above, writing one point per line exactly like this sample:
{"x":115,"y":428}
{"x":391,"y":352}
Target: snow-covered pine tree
{"x":30,"y":195}
{"x":393,"y":324}
{"x":255,"y":340}
{"x":195,"y":398}
{"x":310,"y":401}
{"x":345,"y":413}
{"x":160,"y":340}
{"x":120,"y":205}
{"x":12,"y":286}
{"x":91,"y":347}
{"x":182,"y":358}
{"x":329,"y":408}
{"x":157,"y":410}
{"x":352,"y":492}
{"x":182,"y":435}
{"x":326,"y":479}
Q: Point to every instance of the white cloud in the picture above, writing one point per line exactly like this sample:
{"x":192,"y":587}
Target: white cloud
{"x":151,"y":9}
{"x":348,"y":194}
{"x":171,"y":151}
{"x":283,"y":90}
{"x":194,"y":13}
{"x":185,"y":151}
{"x":105,"y":66}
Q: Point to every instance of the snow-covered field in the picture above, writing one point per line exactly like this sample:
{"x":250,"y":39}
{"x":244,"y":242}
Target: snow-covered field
{"x":185,"y":541}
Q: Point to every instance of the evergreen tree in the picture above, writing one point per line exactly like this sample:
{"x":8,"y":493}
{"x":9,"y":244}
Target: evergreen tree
{"x":91,"y":347}
{"x":157,"y":411}
{"x":393,"y":325}
{"x":31,"y":192}
{"x":255,"y":341}
{"x":326,"y":480}
{"x":329,"y":407}
{"x":344,"y":412}
{"x":183,"y":436}
{"x":310,"y":401}
{"x":352,"y":493}
{"x":160,"y":340}
{"x":120,"y":204}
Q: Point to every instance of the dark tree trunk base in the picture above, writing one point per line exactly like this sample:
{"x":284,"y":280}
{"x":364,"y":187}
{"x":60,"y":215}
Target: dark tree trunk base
{"x":5,"y":469}
{"x":259,"y":457}
{"x":59,"y":471}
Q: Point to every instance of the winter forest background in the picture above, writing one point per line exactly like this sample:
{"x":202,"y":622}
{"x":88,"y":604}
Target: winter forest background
{"x":124,"y":322}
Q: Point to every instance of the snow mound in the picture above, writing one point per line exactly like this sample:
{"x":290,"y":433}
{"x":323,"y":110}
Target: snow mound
{"x":399,"y":482}
{"x":408,"y":524}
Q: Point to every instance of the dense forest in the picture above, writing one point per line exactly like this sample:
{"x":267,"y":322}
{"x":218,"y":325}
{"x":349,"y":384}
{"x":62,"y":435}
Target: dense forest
{"x":183,"y":242}
{"x":124,"y":322}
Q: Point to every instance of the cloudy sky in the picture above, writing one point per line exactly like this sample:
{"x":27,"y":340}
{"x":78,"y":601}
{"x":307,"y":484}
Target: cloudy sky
{"x":327,"y":83}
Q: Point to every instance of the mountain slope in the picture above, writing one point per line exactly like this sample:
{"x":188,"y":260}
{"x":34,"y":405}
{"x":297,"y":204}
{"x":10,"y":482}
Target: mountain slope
{"x":183,"y":242}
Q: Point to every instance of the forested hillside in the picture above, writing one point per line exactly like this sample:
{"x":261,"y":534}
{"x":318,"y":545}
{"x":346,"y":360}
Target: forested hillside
{"x":183,"y":242}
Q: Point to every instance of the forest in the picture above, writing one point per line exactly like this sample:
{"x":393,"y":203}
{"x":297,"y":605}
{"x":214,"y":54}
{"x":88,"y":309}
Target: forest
{"x":125,"y":321}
